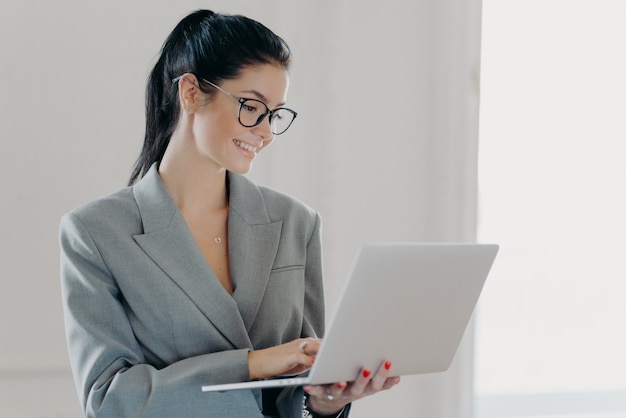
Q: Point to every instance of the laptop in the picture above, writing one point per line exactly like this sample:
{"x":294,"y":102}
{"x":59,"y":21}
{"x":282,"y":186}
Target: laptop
{"x":409,"y":303}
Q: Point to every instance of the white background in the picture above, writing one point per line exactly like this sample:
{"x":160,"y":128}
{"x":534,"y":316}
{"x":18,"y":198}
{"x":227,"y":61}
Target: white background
{"x":553,"y":194}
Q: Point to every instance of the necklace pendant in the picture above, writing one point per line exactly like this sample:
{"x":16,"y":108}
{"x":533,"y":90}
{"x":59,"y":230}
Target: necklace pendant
{"x":217,"y":240}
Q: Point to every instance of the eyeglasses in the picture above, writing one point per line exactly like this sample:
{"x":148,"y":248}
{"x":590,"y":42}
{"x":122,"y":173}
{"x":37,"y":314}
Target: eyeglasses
{"x":252,"y":112}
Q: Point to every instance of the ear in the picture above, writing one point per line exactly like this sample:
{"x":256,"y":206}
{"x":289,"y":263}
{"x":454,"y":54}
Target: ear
{"x":188,"y":92}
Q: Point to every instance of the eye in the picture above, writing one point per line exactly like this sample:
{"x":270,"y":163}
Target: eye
{"x":253,"y":107}
{"x":249,"y":107}
{"x":278,"y":115}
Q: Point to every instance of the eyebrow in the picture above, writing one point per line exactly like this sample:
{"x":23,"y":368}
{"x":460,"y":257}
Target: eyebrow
{"x":262,"y":97}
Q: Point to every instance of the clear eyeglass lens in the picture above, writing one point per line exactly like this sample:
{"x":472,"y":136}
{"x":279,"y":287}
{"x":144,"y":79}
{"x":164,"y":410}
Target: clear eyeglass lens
{"x":281,"y":119}
{"x":253,"y":111}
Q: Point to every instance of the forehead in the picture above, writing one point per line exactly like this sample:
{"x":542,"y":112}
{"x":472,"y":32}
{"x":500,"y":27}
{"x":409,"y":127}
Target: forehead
{"x":266,"y":82}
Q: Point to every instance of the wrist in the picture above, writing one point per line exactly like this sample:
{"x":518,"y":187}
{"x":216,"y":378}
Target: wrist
{"x":250,"y":371}
{"x":253,"y":372}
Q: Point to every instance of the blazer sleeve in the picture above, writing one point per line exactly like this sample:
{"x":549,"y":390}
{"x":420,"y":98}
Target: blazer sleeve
{"x":112,"y":375}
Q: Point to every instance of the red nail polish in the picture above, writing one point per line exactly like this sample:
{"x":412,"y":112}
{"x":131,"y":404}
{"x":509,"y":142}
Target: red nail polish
{"x":366,"y":373}
{"x":341,"y":385}
{"x":387,"y":365}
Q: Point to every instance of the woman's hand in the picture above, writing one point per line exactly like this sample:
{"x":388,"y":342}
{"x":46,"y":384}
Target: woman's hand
{"x":287,"y":359}
{"x":329,"y":399}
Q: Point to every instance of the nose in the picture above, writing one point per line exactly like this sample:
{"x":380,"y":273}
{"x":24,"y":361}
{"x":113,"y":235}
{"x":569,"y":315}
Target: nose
{"x":263,"y":129}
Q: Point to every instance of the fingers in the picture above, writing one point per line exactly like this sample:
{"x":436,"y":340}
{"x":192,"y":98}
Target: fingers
{"x":287,"y":359}
{"x":308,"y":346}
{"x":381,"y":376}
{"x":305,"y":351}
{"x":367,"y":381}
{"x":365,"y":384}
{"x":391,"y":382}
{"x":328,"y":399}
{"x":302,"y":353}
{"x":330,"y":392}
{"x":361,"y":382}
{"x":335,"y":391}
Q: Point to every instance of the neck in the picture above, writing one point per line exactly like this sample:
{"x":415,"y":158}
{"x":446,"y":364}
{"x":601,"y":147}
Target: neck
{"x":196,"y":186}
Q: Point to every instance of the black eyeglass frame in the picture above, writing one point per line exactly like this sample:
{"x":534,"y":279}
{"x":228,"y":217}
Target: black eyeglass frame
{"x":242,"y":101}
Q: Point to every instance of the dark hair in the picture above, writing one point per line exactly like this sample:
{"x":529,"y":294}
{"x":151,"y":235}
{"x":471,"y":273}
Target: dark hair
{"x":213,"y":46}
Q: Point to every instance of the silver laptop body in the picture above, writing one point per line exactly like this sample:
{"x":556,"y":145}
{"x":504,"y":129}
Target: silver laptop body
{"x":409,"y":303}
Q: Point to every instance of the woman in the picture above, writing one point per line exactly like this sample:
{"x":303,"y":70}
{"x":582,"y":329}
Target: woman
{"x":194,"y":275}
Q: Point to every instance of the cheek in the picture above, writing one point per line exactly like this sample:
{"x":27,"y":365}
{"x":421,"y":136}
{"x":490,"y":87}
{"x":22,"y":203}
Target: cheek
{"x":213,"y":129}
{"x":204,"y":137}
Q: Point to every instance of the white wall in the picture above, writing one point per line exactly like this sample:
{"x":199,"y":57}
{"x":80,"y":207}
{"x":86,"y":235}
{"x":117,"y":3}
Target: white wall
{"x":384,"y":148}
{"x":552,"y":195}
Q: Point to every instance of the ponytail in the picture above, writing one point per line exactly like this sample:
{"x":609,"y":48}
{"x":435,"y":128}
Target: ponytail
{"x":161,"y":119}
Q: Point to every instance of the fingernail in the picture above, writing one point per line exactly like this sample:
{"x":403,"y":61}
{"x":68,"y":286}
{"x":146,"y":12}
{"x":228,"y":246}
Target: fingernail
{"x":387,"y":365}
{"x":366,"y":373}
{"x":341,"y":385}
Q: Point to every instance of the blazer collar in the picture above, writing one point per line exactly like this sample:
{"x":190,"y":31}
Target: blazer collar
{"x":253,"y":243}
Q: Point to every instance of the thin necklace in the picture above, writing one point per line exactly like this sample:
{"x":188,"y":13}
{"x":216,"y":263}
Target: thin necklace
{"x":216,"y":238}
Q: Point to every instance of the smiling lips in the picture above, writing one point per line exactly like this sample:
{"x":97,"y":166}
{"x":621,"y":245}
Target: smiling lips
{"x":245,"y":146}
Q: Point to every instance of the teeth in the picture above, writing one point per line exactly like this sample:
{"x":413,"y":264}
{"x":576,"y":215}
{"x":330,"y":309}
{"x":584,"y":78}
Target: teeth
{"x":245,"y":146}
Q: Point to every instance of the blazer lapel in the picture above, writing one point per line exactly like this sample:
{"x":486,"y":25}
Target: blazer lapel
{"x":168,"y":242}
{"x":253,"y":244}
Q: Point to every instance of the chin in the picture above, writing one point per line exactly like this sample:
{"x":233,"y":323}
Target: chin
{"x":240,"y":169}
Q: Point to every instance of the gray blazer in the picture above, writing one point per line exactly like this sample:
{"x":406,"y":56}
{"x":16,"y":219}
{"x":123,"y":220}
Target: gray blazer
{"x":147,"y":321}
